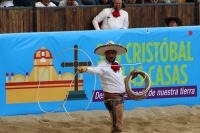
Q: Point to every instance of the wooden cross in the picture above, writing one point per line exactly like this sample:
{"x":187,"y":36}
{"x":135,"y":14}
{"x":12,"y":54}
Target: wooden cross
{"x":75,"y":64}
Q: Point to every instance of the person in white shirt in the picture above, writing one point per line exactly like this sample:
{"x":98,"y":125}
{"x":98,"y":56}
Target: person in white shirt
{"x":112,"y":81}
{"x":45,"y":3}
{"x":112,"y":18}
{"x":4,"y":3}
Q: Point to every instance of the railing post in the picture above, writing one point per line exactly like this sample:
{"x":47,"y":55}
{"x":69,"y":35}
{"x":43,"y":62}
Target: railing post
{"x":196,"y":12}
{"x":34,"y":18}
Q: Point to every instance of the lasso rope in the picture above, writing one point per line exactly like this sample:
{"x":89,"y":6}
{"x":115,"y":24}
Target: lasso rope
{"x":135,"y":95}
{"x":63,"y":105}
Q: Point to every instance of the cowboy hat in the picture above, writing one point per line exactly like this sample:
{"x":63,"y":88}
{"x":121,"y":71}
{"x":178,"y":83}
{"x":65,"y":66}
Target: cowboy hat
{"x":178,"y":20}
{"x":110,"y":45}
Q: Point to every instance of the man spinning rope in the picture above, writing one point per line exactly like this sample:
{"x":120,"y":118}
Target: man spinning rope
{"x":112,"y":82}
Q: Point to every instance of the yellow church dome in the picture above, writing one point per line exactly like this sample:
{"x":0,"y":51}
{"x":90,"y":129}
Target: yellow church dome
{"x":42,"y":53}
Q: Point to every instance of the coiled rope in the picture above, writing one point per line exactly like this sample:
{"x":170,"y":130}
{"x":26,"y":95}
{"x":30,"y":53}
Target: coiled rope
{"x":135,"y":95}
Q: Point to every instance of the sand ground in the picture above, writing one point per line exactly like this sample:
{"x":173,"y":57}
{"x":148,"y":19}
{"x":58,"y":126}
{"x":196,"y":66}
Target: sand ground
{"x":171,"y":119}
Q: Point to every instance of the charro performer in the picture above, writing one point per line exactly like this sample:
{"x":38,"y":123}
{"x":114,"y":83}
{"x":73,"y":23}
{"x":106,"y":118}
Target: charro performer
{"x":112,"y":82}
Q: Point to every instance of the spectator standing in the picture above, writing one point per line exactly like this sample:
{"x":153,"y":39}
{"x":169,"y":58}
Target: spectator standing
{"x":45,"y":3}
{"x":112,"y":18}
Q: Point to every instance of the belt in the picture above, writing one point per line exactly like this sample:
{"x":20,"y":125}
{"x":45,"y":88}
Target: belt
{"x":108,"y":95}
{"x":115,"y":101}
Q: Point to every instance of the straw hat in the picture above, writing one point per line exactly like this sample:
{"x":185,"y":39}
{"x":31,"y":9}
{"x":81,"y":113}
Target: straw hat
{"x":178,"y":20}
{"x":110,"y":45}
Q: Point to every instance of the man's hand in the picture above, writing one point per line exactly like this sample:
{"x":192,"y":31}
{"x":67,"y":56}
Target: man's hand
{"x":82,"y":69}
{"x":134,"y":74}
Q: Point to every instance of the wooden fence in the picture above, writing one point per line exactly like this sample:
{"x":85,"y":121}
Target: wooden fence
{"x":14,"y":20}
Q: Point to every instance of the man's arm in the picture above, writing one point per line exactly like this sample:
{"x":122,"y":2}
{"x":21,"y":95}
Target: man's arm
{"x":99,"y":70}
{"x":99,"y":18}
{"x":93,"y":70}
{"x":126,"y":22}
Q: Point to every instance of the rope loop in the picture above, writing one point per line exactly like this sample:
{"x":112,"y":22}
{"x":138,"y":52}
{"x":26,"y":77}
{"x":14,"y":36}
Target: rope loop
{"x":135,"y":95}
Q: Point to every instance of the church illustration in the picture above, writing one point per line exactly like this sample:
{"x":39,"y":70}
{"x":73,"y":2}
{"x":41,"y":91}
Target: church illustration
{"x":53,"y":86}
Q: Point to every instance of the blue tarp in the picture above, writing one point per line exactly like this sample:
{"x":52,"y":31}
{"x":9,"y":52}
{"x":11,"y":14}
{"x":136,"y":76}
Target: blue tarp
{"x":32,"y":80}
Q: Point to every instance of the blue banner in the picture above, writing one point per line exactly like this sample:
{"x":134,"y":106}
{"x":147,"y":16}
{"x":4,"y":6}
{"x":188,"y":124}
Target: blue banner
{"x":38,"y":71}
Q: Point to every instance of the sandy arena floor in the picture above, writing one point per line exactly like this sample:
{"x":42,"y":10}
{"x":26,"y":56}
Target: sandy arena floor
{"x":172,"y":119}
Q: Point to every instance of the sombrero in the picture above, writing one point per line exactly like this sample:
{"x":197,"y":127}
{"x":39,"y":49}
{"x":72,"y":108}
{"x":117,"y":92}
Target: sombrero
{"x":178,"y":20}
{"x":110,"y":45}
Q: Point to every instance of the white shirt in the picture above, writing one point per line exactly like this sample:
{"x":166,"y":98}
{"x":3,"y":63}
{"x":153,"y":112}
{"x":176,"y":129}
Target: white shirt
{"x":6,"y":4}
{"x":64,"y":3}
{"x":110,"y":81}
{"x":110,"y":22}
{"x":39,"y":4}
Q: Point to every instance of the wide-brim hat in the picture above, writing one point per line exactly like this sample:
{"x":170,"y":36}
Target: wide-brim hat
{"x":178,"y":20}
{"x":110,"y":45}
